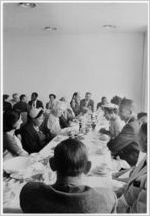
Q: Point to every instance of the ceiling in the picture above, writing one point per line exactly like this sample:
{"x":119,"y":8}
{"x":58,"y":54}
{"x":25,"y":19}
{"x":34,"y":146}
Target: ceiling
{"x":74,"y":18}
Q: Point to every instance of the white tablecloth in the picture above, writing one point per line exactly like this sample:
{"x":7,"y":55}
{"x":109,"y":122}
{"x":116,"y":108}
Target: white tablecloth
{"x":99,"y":155}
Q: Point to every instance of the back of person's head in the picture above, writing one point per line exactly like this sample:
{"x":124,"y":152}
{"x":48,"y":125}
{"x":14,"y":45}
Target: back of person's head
{"x":128,"y":104}
{"x":127,"y":109}
{"x":70,"y":158}
{"x":9,"y":120}
{"x":22,"y":97}
{"x":141,"y":115}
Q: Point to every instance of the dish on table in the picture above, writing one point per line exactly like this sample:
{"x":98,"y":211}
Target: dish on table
{"x":16,"y":164}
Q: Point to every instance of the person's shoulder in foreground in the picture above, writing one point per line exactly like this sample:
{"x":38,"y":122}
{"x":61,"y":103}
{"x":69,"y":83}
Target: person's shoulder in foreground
{"x":68,"y":194}
{"x":134,"y":197}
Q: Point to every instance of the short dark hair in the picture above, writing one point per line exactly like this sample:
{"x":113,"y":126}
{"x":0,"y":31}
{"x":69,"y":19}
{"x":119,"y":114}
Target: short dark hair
{"x":9,"y":119}
{"x":35,"y":94}
{"x":22,"y":96}
{"x":70,"y":157}
{"x":141,"y":114}
{"x":53,"y":95}
{"x":144,"y":128}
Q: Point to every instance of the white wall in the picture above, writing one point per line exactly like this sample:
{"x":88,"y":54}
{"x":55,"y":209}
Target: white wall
{"x":107,"y":64}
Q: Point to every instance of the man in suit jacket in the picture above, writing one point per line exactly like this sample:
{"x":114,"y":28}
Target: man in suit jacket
{"x":125,"y":144}
{"x":34,"y":102}
{"x":68,"y":194}
{"x":87,"y":103}
{"x":134,"y":197}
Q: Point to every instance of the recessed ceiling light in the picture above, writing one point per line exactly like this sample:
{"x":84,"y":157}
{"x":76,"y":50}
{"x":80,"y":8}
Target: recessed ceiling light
{"x":109,"y":26}
{"x":27,"y":4}
{"x":50,"y":28}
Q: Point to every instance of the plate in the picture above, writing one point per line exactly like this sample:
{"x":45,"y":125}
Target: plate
{"x":16,"y":164}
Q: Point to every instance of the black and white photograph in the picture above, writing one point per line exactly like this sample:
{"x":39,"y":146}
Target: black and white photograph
{"x":74,"y":114}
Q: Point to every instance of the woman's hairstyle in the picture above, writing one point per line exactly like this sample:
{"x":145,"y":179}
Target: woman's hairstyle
{"x":9,"y":119}
{"x":70,"y":157}
{"x":53,"y":95}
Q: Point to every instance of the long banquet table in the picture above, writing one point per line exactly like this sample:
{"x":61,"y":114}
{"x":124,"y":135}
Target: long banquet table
{"x":100,"y":174}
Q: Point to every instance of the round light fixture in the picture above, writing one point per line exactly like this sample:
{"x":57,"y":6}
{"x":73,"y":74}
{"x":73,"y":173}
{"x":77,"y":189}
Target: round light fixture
{"x":50,"y":28}
{"x":108,"y":26}
{"x":27,"y":4}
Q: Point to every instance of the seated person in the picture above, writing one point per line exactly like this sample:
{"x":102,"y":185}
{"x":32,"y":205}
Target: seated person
{"x":55,"y":121}
{"x":50,"y":104}
{"x":125,"y":145}
{"x":68,"y":115}
{"x":75,"y":103}
{"x":33,"y":138}
{"x":142,"y":117}
{"x":87,"y":104}
{"x":134,"y":194}
{"x":22,"y":105}
{"x":12,"y":146}
{"x":15,"y":99}
{"x":6,"y":105}
{"x":116,"y":124}
{"x":34,"y":102}
{"x":68,"y":194}
{"x":104,"y":101}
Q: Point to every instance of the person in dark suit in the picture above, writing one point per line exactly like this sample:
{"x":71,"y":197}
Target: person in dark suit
{"x":22,"y":105}
{"x":68,"y":194}
{"x":87,"y":104}
{"x":33,"y":138}
{"x":34,"y":102}
{"x":125,"y":145}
